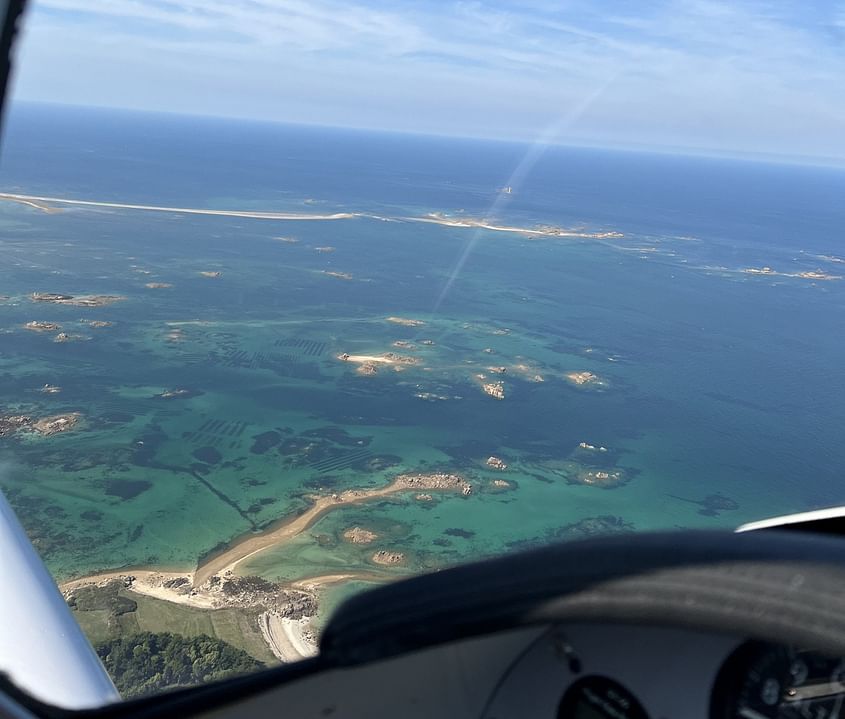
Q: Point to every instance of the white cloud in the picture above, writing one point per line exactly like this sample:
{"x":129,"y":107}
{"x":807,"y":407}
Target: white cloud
{"x":754,"y":75}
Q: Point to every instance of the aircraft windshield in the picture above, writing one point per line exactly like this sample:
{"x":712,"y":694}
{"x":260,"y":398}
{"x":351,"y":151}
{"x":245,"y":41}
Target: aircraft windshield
{"x":299,"y":299}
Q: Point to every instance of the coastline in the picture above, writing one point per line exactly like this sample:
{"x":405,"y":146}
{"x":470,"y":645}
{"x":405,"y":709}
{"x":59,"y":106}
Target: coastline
{"x":37,"y":201}
{"x":228,"y":560}
{"x":41,"y":202}
{"x":289,"y":637}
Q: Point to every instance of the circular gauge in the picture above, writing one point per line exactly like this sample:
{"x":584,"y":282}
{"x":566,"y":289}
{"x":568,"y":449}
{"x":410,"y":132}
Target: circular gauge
{"x":596,"y":697}
{"x":769,"y":681}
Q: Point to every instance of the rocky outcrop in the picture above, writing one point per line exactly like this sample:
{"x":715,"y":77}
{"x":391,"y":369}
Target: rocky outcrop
{"x":496,"y":463}
{"x":359,"y":535}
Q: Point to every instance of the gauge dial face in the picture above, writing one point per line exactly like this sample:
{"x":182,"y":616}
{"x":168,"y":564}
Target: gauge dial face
{"x":766,"y":681}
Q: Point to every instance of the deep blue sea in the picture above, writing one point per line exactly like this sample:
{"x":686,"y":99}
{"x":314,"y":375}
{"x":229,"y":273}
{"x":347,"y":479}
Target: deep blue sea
{"x":719,"y":396}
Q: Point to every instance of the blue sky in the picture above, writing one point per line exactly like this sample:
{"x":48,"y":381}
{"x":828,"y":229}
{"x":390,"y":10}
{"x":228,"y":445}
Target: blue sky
{"x":763,"y":77}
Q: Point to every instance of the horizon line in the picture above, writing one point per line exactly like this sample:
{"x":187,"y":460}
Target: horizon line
{"x":831,"y":162}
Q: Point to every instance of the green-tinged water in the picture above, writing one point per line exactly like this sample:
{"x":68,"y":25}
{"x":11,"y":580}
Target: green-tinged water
{"x":719,"y":396}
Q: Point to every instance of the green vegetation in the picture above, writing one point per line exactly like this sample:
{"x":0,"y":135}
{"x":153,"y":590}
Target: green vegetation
{"x":148,"y":663}
{"x":104,"y":614}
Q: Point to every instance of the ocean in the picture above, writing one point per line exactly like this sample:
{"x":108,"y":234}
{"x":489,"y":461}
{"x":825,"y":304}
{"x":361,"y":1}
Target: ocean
{"x":716,"y":396}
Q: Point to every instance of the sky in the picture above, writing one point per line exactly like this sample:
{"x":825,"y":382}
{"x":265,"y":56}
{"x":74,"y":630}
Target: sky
{"x":737,"y":76}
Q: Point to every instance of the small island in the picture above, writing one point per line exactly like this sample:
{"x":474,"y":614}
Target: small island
{"x":35,"y":326}
{"x":496,"y":463}
{"x":586,"y":380}
{"x":496,"y":390}
{"x":75,"y":301}
{"x":359,"y":535}
{"x":45,"y":426}
{"x":406,"y":322}
{"x":388,"y":558}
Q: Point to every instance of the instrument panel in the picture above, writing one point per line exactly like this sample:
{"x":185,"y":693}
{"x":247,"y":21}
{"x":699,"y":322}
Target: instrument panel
{"x":634,"y":672}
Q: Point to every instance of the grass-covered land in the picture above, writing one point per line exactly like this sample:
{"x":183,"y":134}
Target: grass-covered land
{"x":221,"y":642}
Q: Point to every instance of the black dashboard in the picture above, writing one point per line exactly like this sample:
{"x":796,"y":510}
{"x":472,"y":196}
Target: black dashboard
{"x":683,"y":625}
{"x":594,"y":671}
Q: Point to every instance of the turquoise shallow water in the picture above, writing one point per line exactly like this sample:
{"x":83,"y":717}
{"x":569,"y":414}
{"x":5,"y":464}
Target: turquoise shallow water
{"x":715,"y":383}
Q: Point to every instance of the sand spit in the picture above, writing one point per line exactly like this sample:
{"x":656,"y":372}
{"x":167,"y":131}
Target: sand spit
{"x":206,"y":588}
{"x":251,"y":545}
{"x":36,"y":201}
{"x":483,"y":224}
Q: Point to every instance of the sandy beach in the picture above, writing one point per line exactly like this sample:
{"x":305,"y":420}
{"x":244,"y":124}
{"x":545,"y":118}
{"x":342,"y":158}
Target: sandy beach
{"x":38,"y":202}
{"x":288,"y":639}
{"x":228,"y":560}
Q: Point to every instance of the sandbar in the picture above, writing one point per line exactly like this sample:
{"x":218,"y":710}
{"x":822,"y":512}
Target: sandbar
{"x":483,"y":224}
{"x":251,"y":545}
{"x":33,"y":199}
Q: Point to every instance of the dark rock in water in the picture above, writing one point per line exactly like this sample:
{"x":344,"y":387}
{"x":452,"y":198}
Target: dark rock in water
{"x":265,"y":441}
{"x":91,"y":515}
{"x":458,"y":532}
{"x":377,"y":462}
{"x":127,"y":488}
{"x":593,"y":526}
{"x":136,"y":533}
{"x":712,"y":504}
{"x":468,"y":450}
{"x":209,"y":455}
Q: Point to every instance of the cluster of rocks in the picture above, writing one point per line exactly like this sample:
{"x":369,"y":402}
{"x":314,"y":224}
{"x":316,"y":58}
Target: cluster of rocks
{"x":367,"y":368}
{"x":582,"y":379}
{"x":599,"y":478}
{"x":158,"y":285}
{"x":12,"y":423}
{"x":435,"y":480}
{"x":400,"y":359}
{"x":42,"y":326}
{"x":65,"y":337}
{"x":495,"y":389}
{"x":501,"y":484}
{"x":97,"y":323}
{"x":496,"y":463}
{"x":591,"y":447}
{"x":406,"y":322}
{"x":359,"y":535}
{"x":175,"y":393}
{"x":44,"y":426}
{"x":258,"y":592}
{"x":389,"y":558}
{"x":211,"y":273}
{"x":75,"y":301}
